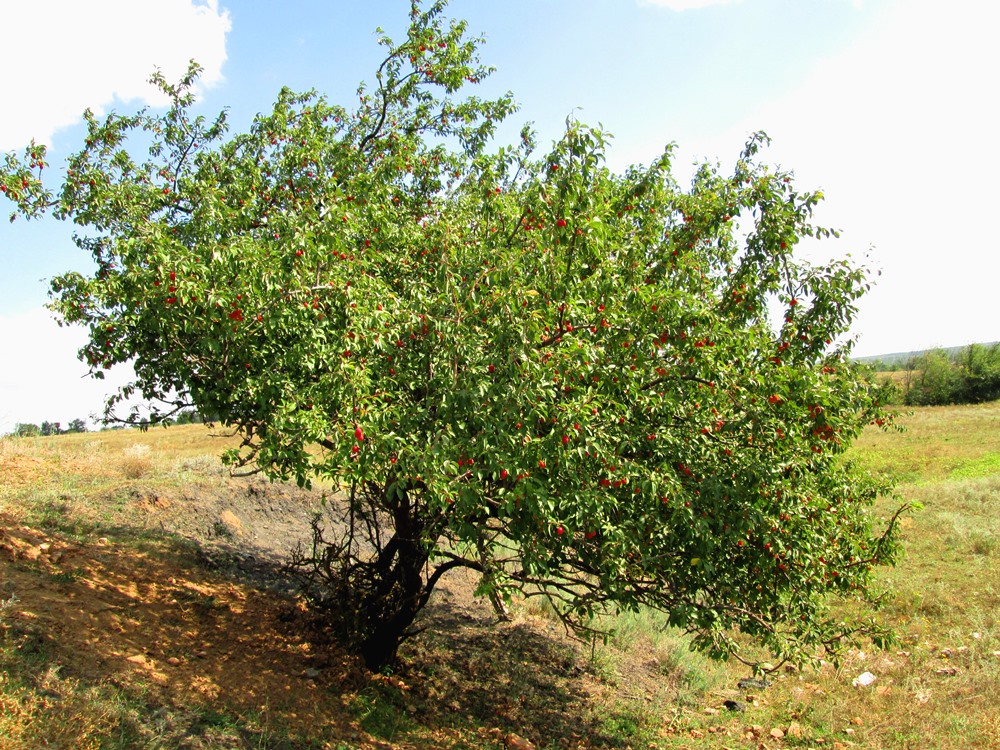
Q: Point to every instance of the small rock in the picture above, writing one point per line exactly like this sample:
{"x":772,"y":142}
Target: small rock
{"x":777,"y":734}
{"x":794,"y":730}
{"x":230,"y":524}
{"x":754,"y":682}
{"x":103,"y":541}
{"x":174,"y":661}
{"x":696,"y":734}
{"x":712,"y":711}
{"x":863,"y":680}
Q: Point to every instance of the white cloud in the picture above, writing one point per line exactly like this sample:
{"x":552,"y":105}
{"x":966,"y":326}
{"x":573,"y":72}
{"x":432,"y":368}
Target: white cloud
{"x":63,"y":56}
{"x":43,"y":381}
{"x":900,"y":133}
{"x":682,"y":5}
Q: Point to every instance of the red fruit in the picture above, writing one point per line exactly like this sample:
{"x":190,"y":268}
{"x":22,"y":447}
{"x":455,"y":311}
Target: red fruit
{"x":354,"y":449}
{"x":554,"y":167}
{"x":491,"y":368}
{"x":774,"y":399}
{"x":590,"y":534}
{"x":565,"y":439}
{"x":504,"y":474}
{"x":541,"y":464}
{"x":560,"y":530}
{"x":236,"y":315}
{"x":359,"y":434}
{"x":561,"y":223}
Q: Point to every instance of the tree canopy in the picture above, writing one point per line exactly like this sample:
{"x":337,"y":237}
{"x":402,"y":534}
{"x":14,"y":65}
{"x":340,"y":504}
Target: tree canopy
{"x":569,"y":379}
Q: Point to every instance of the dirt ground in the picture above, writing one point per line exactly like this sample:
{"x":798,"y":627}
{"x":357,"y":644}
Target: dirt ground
{"x":188,"y":608}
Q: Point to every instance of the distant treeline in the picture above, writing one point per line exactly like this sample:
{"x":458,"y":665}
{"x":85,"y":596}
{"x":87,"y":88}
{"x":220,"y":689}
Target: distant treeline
{"x":28,"y":429}
{"x":969,"y":375}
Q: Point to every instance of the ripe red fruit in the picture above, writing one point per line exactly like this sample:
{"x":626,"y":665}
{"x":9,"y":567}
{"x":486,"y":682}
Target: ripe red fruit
{"x":774,"y":399}
{"x":541,"y":464}
{"x":565,"y":439}
{"x":491,"y":368}
{"x":561,"y":223}
{"x":359,"y":434}
{"x":504,"y":474}
{"x":560,"y":530}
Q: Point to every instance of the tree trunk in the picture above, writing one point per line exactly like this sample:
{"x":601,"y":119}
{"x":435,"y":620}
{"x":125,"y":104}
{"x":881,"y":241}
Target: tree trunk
{"x":390,"y":614}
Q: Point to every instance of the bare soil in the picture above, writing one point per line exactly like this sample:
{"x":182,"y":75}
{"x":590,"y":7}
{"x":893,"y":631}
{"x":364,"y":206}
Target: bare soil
{"x":186,"y":607}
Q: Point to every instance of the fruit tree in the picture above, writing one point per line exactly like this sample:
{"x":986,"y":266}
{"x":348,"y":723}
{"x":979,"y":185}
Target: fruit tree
{"x":570,"y":380}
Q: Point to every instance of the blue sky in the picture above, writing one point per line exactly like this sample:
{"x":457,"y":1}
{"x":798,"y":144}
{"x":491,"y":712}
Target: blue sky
{"x":886,"y":105}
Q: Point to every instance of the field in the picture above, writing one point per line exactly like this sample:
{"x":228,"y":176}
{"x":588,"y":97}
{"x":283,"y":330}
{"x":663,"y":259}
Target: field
{"x":142,"y":605}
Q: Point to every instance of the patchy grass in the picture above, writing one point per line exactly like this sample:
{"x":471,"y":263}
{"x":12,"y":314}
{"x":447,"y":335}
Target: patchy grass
{"x":117,"y":632}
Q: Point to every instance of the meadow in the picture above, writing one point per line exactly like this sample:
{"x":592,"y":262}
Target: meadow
{"x":142,"y":605}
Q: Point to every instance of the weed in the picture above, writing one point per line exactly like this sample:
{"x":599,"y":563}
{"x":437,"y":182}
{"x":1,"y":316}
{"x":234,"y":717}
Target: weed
{"x":136,"y":461}
{"x":381,"y":712}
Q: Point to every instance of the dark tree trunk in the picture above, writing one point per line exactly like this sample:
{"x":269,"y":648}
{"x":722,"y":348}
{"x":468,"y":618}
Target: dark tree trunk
{"x":401,"y":595}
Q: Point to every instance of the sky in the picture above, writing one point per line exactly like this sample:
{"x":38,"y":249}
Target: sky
{"x":885,"y":105}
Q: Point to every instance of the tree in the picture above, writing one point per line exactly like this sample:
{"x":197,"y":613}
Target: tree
{"x":938,"y":382}
{"x":51,"y":428}
{"x":26,"y":429}
{"x":77,"y":425}
{"x":561,"y":377}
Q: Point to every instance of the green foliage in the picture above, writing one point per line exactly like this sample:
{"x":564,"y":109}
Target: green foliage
{"x":22,"y":429}
{"x":562,"y":377}
{"x":971,"y":376}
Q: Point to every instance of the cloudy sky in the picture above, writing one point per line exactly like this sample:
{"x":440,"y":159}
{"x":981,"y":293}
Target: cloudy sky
{"x":885,"y":105}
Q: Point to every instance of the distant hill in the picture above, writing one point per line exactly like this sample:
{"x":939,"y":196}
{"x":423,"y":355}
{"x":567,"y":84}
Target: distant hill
{"x":901,"y":358}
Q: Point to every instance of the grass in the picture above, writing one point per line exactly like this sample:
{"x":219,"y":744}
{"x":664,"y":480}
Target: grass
{"x":477,"y":688}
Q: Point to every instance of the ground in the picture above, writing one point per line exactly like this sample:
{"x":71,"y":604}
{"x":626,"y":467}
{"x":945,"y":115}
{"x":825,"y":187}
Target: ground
{"x":183,"y":601}
{"x":142,"y":606}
